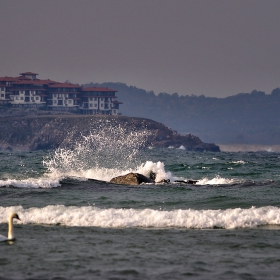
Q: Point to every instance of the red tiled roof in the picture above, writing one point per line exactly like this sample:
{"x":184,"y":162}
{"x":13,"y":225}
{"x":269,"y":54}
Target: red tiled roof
{"x":48,"y":82}
{"x":8,"y":79}
{"x":28,"y":73}
{"x":99,"y":89}
{"x":99,"y":96}
{"x":64,"y":85}
{"x":34,"y":82}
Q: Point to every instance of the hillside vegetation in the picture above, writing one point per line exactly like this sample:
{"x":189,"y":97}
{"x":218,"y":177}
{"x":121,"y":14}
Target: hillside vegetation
{"x":34,"y":132}
{"x":245,"y":118}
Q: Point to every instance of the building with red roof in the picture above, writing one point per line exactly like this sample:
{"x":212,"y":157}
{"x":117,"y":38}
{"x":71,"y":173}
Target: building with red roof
{"x":29,"y":91}
{"x":6,"y":84}
{"x":99,"y":100}
{"x":64,"y":96}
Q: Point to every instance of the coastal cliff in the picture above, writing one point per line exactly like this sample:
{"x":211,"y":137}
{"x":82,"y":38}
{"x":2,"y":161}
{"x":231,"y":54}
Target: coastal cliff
{"x":35,"y":132}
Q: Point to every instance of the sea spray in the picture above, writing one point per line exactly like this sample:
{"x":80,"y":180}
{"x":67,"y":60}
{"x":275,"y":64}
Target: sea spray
{"x":103,"y":153}
{"x":158,"y":168}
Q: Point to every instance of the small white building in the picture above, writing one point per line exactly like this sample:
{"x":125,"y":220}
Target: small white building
{"x":5,"y":89}
{"x":29,"y":93}
{"x":99,"y":100}
{"x":64,"y":96}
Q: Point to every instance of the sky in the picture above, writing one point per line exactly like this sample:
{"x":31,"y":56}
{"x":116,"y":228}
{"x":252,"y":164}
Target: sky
{"x":217,"y":48}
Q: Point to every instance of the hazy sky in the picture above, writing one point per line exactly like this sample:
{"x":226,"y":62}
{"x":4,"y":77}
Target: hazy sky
{"x":211,"y":47}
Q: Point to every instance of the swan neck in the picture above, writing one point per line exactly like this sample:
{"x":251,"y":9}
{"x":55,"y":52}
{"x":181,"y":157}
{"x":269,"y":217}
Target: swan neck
{"x":10,"y":229}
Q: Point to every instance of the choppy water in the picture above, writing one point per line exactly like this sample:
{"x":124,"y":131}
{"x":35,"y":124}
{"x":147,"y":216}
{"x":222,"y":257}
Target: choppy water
{"x":227,"y":226}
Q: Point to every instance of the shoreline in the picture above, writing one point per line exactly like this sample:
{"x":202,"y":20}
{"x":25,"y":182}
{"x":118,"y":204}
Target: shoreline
{"x":249,"y":148}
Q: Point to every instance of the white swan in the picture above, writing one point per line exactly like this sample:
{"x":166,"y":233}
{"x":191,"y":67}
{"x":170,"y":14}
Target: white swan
{"x":10,"y":228}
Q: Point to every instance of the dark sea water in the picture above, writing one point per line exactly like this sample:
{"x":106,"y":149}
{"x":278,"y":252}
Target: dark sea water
{"x":227,"y":226}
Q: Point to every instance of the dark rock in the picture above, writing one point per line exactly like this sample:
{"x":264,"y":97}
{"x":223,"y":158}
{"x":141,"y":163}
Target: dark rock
{"x":191,"y":182}
{"x":131,"y":179}
{"x":164,"y":181}
{"x":153,"y":176}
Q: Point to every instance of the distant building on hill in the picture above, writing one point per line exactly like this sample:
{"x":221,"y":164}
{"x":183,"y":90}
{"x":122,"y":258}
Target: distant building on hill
{"x":27,"y":91}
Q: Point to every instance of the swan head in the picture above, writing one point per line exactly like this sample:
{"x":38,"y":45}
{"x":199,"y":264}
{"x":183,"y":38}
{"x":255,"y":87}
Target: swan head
{"x":14,"y":216}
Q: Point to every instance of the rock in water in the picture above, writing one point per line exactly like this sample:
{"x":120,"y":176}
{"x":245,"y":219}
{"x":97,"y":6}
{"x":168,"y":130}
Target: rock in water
{"x":131,"y":179}
{"x":191,"y":182}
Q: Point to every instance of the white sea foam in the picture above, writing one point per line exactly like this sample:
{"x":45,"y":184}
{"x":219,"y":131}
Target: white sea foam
{"x":31,"y":183}
{"x":157,"y":168}
{"x":145,"y":218}
{"x":216,"y":181}
{"x":238,"y":162}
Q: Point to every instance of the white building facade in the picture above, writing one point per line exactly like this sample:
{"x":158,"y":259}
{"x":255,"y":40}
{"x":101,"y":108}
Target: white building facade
{"x":99,"y":100}
{"x":29,"y":91}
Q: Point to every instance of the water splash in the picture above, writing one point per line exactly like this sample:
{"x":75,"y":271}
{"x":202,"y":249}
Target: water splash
{"x":106,"y":151}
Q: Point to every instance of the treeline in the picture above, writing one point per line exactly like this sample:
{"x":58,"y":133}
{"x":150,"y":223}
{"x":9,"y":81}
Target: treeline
{"x":245,"y":118}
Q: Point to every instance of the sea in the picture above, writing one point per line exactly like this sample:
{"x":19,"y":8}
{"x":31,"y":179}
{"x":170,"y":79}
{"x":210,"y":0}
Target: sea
{"x":75,"y":224}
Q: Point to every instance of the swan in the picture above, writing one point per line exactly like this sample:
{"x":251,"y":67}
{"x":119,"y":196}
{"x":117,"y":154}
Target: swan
{"x":10,"y":228}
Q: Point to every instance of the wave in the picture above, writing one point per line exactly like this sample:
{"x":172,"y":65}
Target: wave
{"x":104,"y":174}
{"x":31,"y":183}
{"x":217,"y":181}
{"x":238,"y":162}
{"x":90,"y":216}
{"x":102,"y":155}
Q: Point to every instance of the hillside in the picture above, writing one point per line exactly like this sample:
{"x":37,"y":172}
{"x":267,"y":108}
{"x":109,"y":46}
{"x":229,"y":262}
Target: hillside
{"x":34,"y":132}
{"x":245,"y":118}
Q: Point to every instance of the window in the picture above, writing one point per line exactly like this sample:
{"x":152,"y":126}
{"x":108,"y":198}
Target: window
{"x":2,"y":95}
{"x":101,"y":105}
{"x":21,"y":98}
{"x":37,"y":97}
{"x":95,"y":105}
{"x":95,"y":98}
{"x":90,"y":105}
{"x":91,"y":99}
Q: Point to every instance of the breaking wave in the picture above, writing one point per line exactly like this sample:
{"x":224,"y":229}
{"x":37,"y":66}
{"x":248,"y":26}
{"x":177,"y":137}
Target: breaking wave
{"x":105,"y":152}
{"x":89,"y":216}
{"x":31,"y":183}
